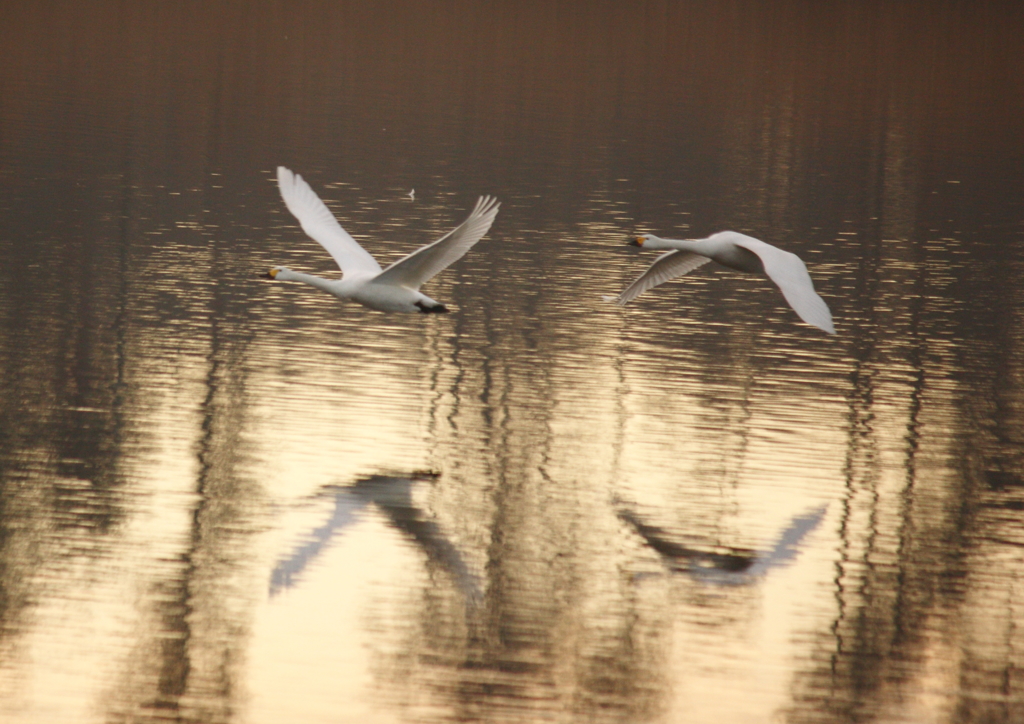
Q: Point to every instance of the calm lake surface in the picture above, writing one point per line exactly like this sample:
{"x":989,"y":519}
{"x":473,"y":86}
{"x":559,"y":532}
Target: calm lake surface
{"x":229,"y":500}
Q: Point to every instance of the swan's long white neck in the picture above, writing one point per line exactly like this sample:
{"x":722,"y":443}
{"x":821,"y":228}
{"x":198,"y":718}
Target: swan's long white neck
{"x":656,"y":243}
{"x":287,"y":275}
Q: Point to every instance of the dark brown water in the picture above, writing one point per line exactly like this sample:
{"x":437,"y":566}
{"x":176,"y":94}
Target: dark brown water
{"x":225,"y":500}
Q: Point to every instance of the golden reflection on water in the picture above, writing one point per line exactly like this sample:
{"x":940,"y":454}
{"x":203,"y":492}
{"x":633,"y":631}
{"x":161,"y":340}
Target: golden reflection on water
{"x":228,"y":500}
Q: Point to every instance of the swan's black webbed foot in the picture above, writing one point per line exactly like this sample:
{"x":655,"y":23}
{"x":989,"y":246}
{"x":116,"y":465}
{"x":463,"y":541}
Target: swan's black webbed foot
{"x":437,"y":309}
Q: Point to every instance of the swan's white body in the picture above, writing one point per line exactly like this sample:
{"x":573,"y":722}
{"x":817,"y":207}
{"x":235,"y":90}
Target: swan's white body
{"x":395,"y":289}
{"x":736,"y":251}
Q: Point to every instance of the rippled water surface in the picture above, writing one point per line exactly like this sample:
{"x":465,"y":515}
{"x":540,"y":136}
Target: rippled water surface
{"x":229,"y":500}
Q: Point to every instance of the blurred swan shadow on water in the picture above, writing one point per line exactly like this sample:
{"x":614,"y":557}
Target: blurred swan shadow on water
{"x":724,"y":565}
{"x":392,"y":496}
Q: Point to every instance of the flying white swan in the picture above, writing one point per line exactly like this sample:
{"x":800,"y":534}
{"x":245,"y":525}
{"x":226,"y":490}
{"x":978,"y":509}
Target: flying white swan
{"x":395,"y":289}
{"x":736,"y":251}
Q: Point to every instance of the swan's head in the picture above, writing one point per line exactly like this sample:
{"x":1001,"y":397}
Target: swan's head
{"x":649,"y":241}
{"x":274,"y":271}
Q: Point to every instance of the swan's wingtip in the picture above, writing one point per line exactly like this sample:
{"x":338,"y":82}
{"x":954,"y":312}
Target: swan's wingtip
{"x":825,"y":325}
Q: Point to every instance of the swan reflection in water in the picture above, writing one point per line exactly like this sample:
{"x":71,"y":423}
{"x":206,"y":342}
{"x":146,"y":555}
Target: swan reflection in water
{"x":391,"y":496}
{"x":724,"y":565}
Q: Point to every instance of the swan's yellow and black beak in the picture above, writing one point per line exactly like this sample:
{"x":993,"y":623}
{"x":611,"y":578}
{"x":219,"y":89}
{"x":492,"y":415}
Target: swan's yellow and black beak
{"x":637,"y":241}
{"x":269,"y":275}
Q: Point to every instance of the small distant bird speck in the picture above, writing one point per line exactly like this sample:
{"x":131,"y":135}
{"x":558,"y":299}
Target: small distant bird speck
{"x":412,"y":194}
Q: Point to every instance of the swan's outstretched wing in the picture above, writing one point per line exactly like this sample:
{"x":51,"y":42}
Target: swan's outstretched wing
{"x":416,"y":268}
{"x":788,"y":272}
{"x":318,"y":221}
{"x":393,"y":495}
{"x":665,"y":268}
{"x":347,"y":510}
{"x":787,"y":547}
